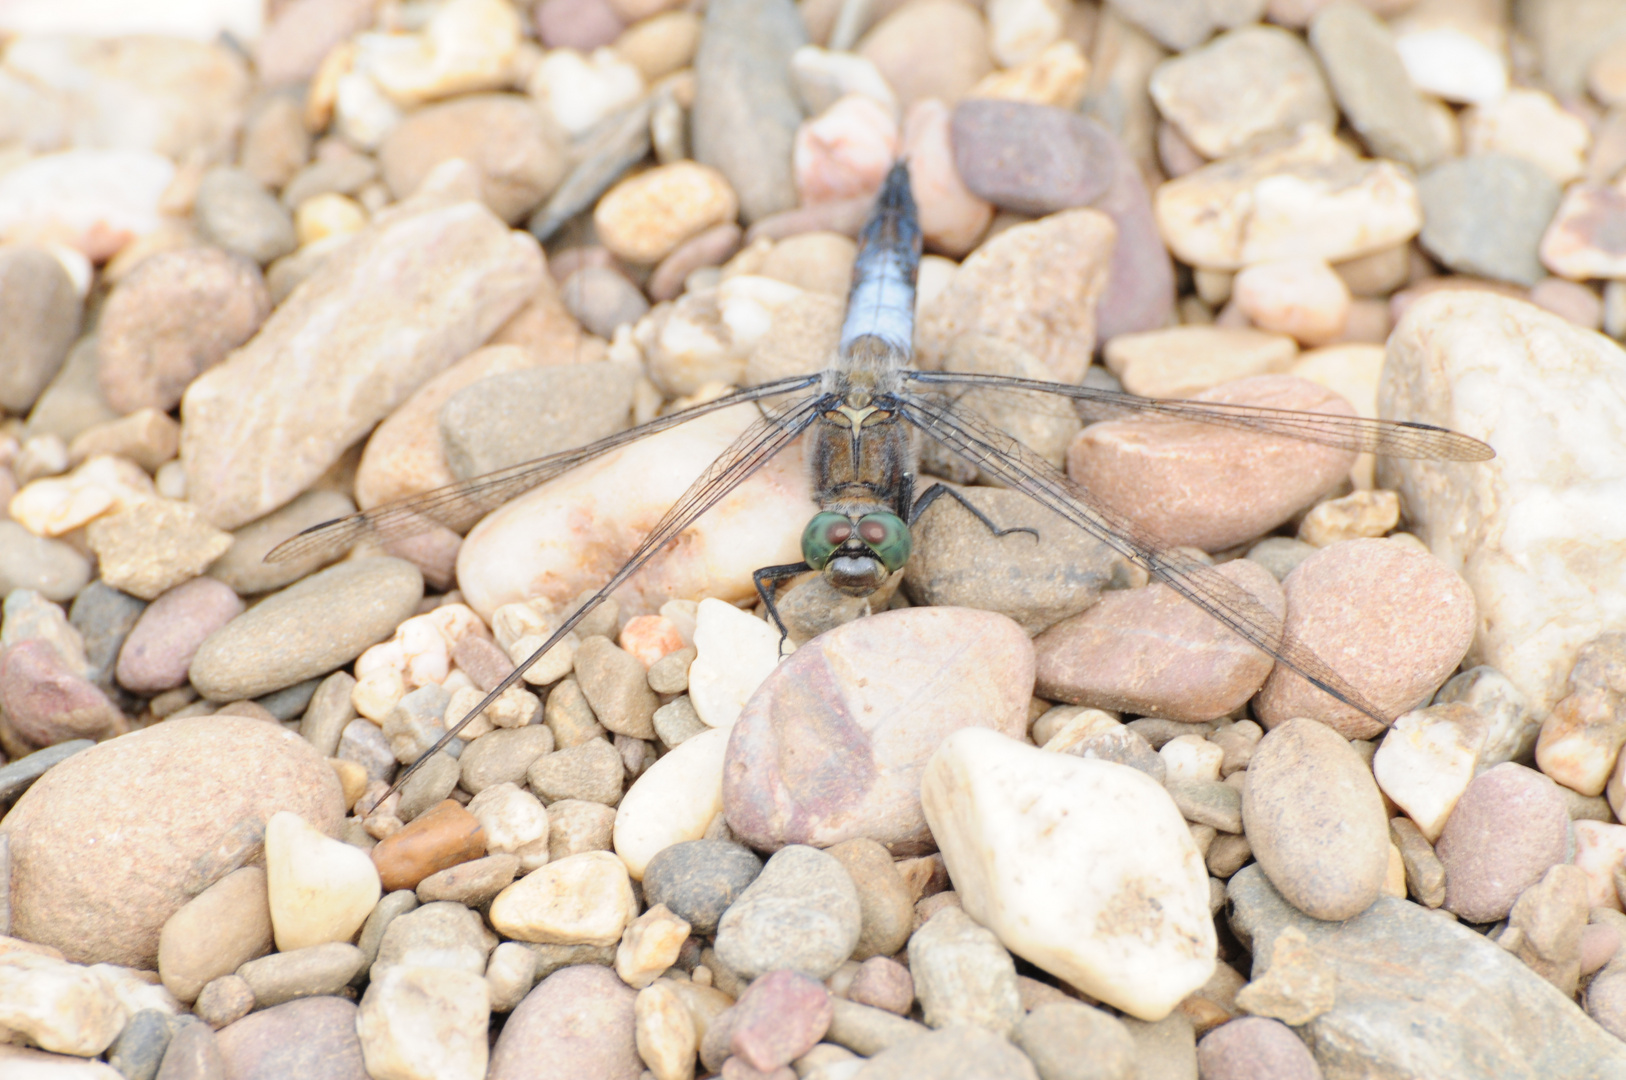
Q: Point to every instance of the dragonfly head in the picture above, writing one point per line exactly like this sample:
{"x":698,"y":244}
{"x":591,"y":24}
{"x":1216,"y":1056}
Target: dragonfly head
{"x":856,"y":555}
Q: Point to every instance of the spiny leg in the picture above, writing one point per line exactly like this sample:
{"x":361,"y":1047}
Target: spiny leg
{"x":937,"y":491}
{"x":767,"y":582}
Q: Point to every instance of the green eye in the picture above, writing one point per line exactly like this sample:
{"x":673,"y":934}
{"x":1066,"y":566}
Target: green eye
{"x":887,"y":536}
{"x":823,"y":535}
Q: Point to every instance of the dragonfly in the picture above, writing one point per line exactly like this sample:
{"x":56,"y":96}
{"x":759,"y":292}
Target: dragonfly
{"x":866,"y":414}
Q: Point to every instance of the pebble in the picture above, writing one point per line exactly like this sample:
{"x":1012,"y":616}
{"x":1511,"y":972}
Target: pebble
{"x":583,"y":899}
{"x":661,"y":44}
{"x":929,"y":49}
{"x":1302,"y":298}
{"x":698,"y":880}
{"x":514,"y":821}
{"x":575,"y":827}
{"x":193,"y":1052}
{"x":46,"y":702}
{"x":874,"y":745}
{"x":1545,"y":926}
{"x":951,"y":216}
{"x":1507,"y":829}
{"x":425,"y":1022}
{"x":233,"y":210}
{"x":603,"y":300}
{"x":503,"y":756}
{"x":1427,"y":760}
{"x":58,"y":1006}
{"x":510,"y":973}
{"x":1255,"y":1046}
{"x":1315,"y":821}
{"x":616,"y":685}
{"x":1067,"y":1040}
{"x":224,"y":1001}
{"x":313,"y":1036}
{"x":237,"y":442}
{"x":647,"y":217}
{"x":578,"y":92}
{"x":100,"y":900}
{"x":665,"y":1032}
{"x":442,"y":935}
{"x":1600,"y":850}
{"x":54,"y":569}
{"x":1150,"y":651}
{"x":1243,"y":85}
{"x":440,"y":838}
{"x":151,"y":546}
{"x":1458,"y":231}
{"x":734,"y":653}
{"x":1529,"y":124}
{"x":781,"y":1017}
{"x":1358,"y":515}
{"x":1008,"y":289}
{"x":313,"y":971}
{"x":177,"y":314}
{"x":40,"y":310}
{"x":1374,"y":91}
{"x":1185,"y":361}
{"x":504,"y":137}
{"x":1004,"y":813}
{"x":321,"y":890}
{"x":243,"y":566}
{"x":802,"y":912}
{"x":293,"y":635}
{"x":363,"y":743}
{"x":96,"y":201}
{"x":954,"y":1053}
{"x":823,"y":76}
{"x":591,"y":772}
{"x":432,"y":783}
{"x":963,"y":975}
{"x":650,"y":945}
{"x":1577,"y":242}
{"x":882,"y":983}
{"x":139,"y":1050}
{"x":159,"y":649}
{"x":713,"y":247}
{"x":844,"y":152}
{"x":1399,"y":668}
{"x":1308,"y":198}
{"x":18,"y":776}
{"x":675,"y":801}
{"x":884,"y":898}
{"x":580,"y":1020}
{"x":586,"y":26}
{"x":215,"y":933}
{"x":147,"y":437}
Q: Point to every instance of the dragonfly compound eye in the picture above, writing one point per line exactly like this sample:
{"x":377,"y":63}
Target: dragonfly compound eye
{"x":887,"y":536}
{"x":823,"y":535}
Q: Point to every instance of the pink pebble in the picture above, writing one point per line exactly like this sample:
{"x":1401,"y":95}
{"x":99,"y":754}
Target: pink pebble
{"x":845,"y":151}
{"x":952,"y":219}
{"x":780,"y":1017}
{"x":577,"y":24}
{"x":650,"y":637}
{"x":884,"y":984}
{"x":1599,"y":944}
{"x":156,"y":655}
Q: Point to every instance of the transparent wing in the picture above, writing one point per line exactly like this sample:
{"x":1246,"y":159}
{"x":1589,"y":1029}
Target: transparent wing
{"x":1014,"y":465}
{"x":754,"y":448}
{"x":1391,"y":438}
{"x":458,"y":506}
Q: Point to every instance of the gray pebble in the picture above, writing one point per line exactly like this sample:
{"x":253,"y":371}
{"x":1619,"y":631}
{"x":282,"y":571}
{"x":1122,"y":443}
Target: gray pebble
{"x":568,"y":715}
{"x":363,"y":743}
{"x":963,"y":975}
{"x":139,"y":1050}
{"x":550,"y":958}
{"x":616,"y":685}
{"x":235,"y":211}
{"x":1484,"y":215}
{"x":1280,"y":554}
{"x":389,"y":907}
{"x":290,"y":702}
{"x":192,"y":1053}
{"x":17,"y":777}
{"x":602,"y":300}
{"x":308,"y":629}
{"x":1209,"y":802}
{"x":441,"y":934}
{"x":244,"y":568}
{"x":308,"y":972}
{"x":955,"y":1053}
{"x":1158,"y":732}
{"x":473,"y":884}
{"x":39,"y":318}
{"x":50,"y":567}
{"x":74,"y":401}
{"x":1357,"y":51}
{"x":343,"y":175}
{"x":502,"y":756}
{"x":676,"y":721}
{"x":575,"y":826}
{"x":1071,"y":1041}
{"x":866,"y":1030}
{"x":416,"y":722}
{"x":427,"y":787}
{"x":516,"y":416}
{"x":698,"y":879}
{"x":1124,"y":747}
{"x":330,"y":709}
{"x":1166,"y":1049}
{"x":801,"y":912}
{"x":591,"y":772}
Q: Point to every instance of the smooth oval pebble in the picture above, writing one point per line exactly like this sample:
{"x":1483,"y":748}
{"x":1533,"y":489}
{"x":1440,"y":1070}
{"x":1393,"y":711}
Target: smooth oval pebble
{"x":1397,"y":620}
{"x":1315,"y":820}
{"x":226,"y":925}
{"x":320,"y":890}
{"x":313,"y":1037}
{"x":643,"y":219}
{"x":158,"y":652}
{"x":582,"y":899}
{"x":1252,"y":1048}
{"x":802,"y":912}
{"x":832,"y":745}
{"x":110,"y":843}
{"x":698,"y":880}
{"x":673,"y":801}
{"x":578,"y":1022}
{"x":440,"y":838}
{"x":1508,"y":829}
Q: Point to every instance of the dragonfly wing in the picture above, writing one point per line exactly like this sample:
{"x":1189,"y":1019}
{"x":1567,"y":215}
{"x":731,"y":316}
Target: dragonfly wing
{"x":750,"y":451}
{"x":1007,"y":460}
{"x":458,"y":506}
{"x":1391,"y":438}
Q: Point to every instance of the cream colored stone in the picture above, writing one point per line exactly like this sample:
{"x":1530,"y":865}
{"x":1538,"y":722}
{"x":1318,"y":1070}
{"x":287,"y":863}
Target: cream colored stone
{"x":582,"y":899}
{"x":515,"y":822}
{"x":1456,"y":51}
{"x":676,"y":799}
{"x":1302,"y":298}
{"x":1083,"y":867}
{"x":646,"y":217}
{"x":1183,"y":361}
{"x":1427,"y":760}
{"x":58,"y":505}
{"x":845,"y":151}
{"x":467,"y":45}
{"x":1600,"y":850}
{"x":1057,"y":77}
{"x":735,"y":651}
{"x":425,"y":1023}
{"x":1019,"y":30}
{"x":320,"y":889}
{"x":650,"y":946}
{"x":1529,"y":124}
{"x":328,"y":214}
{"x":58,"y":1006}
{"x":665,"y":1032}
{"x":1191,"y":757}
{"x":1357,"y":515}
{"x":579,"y":91}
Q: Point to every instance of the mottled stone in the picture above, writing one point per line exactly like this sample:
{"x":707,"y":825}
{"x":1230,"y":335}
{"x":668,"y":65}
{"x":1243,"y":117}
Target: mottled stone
{"x":313,"y":1037}
{"x":802,"y":912}
{"x":1465,"y":230}
{"x":578,"y":1022}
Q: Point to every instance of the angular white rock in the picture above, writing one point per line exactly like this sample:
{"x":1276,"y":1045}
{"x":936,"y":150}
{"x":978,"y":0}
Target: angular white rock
{"x":582,"y":899}
{"x":1426,"y":762}
{"x":650,"y":946}
{"x":1452,"y":64}
{"x":734,"y":652}
{"x":419,"y":1023}
{"x":56,"y":1005}
{"x":674,"y":800}
{"x":94,"y":201}
{"x":320,"y":889}
{"x":578,"y":91}
{"x":1600,"y":848}
{"x":1537,"y":532}
{"x":1188,"y":757}
{"x":566,"y":535}
{"x":515,"y":823}
{"x":1083,"y":867}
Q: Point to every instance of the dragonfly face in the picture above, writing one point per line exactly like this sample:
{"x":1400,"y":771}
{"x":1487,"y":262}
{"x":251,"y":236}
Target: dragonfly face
{"x":856,"y":555}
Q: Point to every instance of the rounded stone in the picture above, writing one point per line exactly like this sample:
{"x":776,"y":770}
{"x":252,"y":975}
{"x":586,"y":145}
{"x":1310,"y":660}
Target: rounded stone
{"x":929,"y":49}
{"x":158,"y":652}
{"x":221,"y":928}
{"x":578,"y":1022}
{"x":699,"y":879}
{"x":110,"y":843}
{"x":1508,"y":829}
{"x":643,"y":219}
{"x":233,"y":210}
{"x":39,"y":316}
{"x":1314,"y":818}
{"x":177,"y":314}
{"x":307,"y":629}
{"x":314,"y":1037}
{"x":802,"y":912}
{"x":1254,"y":1046}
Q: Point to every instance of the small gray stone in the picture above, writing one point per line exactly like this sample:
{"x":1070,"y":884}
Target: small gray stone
{"x":309,"y":972}
{"x":139,"y":1050}
{"x":308,"y":629}
{"x":602,"y":300}
{"x":193,"y":1052}
{"x":801,"y":912}
{"x":51,"y":568}
{"x":363,"y":743}
{"x":1181,"y":24}
{"x":591,"y":772}
{"x":503,"y":756}
{"x":104,"y":617}
{"x":963,"y":975}
{"x":1159,"y":732}
{"x":575,"y":826}
{"x":416,"y":722}
{"x":699,"y":879}
{"x":17,"y":777}
{"x":517,"y":416}
{"x":289,"y":702}
{"x":441,"y":934}
{"x":676,"y":721}
{"x":330,"y":709}
{"x":39,"y":318}
{"x":954,"y":1053}
{"x":1071,"y":1041}
{"x":343,"y":174}
{"x":389,"y":907}
{"x":568,"y":715}
{"x":473,"y":884}
{"x":73,"y":402}
{"x":616,"y":685}
{"x":1166,"y":1049}
{"x":550,"y":958}
{"x":670,"y":674}
{"x":1484,"y":215}
{"x":1209,"y":802}
{"x":235,"y":211}
{"x":1279,"y":554}
{"x":224,"y":1001}
{"x":1377,"y":97}
{"x":244,"y":568}
{"x":1123,"y":746}
{"x":866,"y":1030}
{"x":432,"y":783}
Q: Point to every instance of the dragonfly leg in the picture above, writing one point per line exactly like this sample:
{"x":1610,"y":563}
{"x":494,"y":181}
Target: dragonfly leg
{"x":937,"y":491}
{"x":767,"y":582}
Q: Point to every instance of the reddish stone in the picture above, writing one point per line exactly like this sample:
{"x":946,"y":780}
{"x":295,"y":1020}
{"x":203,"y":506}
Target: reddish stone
{"x":442,"y":838}
{"x":780,"y":1017}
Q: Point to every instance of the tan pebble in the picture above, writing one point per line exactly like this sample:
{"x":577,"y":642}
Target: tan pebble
{"x":665,"y":1033}
{"x":1361,"y":514}
{"x":352,"y":777}
{"x":1057,"y":77}
{"x":845,"y":151}
{"x":443,"y":837}
{"x":1571,"y":300}
{"x":660,"y":45}
{"x":643,"y":219}
{"x":650,"y":946}
{"x":224,"y":926}
{"x":1530,"y":124}
{"x":929,"y":48}
{"x":1302,"y":298}
{"x":1377,"y":274}
{"x":816,"y":261}
{"x":582,"y":899}
{"x":1185,"y":361}
{"x":224,"y":1001}
{"x":712,"y":247}
{"x":329,"y":214}
{"x":952,"y":219}
{"x":147,"y":437}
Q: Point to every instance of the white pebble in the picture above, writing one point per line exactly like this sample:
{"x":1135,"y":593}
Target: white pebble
{"x":320,"y":889}
{"x":673,"y":801}
{"x":735,"y":651}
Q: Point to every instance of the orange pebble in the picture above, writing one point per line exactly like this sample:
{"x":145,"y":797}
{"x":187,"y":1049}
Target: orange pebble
{"x":439,"y":838}
{"x":650,"y":637}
